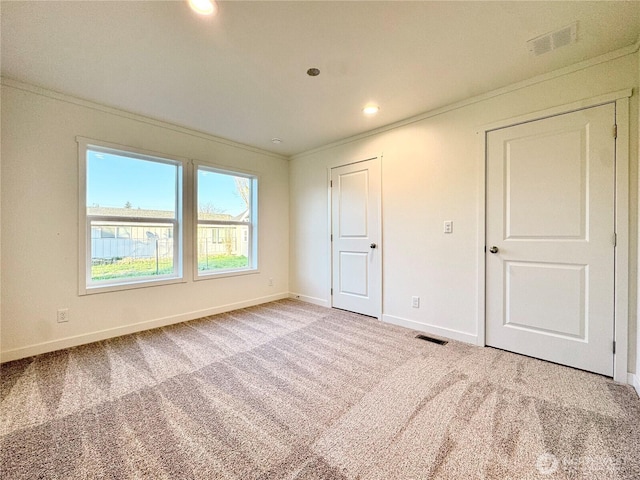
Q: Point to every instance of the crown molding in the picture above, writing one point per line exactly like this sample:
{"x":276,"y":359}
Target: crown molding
{"x":545,"y":77}
{"x":63,"y":97}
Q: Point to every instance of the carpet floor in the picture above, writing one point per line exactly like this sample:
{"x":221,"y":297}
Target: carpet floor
{"x":289,"y":390}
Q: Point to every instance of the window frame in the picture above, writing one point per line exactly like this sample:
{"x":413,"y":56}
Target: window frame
{"x":252,"y":230}
{"x":85,"y":286}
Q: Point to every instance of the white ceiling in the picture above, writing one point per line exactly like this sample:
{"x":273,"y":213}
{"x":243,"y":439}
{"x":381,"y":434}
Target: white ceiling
{"x":242,"y":74}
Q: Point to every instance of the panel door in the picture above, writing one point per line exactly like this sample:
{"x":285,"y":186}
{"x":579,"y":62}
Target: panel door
{"x":550,"y":239}
{"x":356,"y":254}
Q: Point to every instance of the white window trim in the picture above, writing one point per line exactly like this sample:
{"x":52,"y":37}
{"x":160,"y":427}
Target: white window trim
{"x":181,"y":230}
{"x":253,"y":239}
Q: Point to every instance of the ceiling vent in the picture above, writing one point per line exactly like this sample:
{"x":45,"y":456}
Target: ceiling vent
{"x":552,"y":40}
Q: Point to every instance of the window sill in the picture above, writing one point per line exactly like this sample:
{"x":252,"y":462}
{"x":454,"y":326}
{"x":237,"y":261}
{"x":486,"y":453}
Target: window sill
{"x":90,"y":290}
{"x":225,"y":273}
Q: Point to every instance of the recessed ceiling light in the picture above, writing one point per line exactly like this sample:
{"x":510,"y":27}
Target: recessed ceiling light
{"x":371,"y":109}
{"x":313,"y":72}
{"x":203,"y":7}
{"x":277,"y":141}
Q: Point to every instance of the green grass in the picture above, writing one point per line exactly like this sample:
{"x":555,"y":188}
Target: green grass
{"x":128,"y":268}
{"x":143,"y":267}
{"x":217,"y":262}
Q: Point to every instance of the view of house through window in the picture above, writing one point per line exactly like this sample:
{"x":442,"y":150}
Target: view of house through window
{"x":225,"y":220}
{"x":132,"y":211}
{"x":134,"y":230}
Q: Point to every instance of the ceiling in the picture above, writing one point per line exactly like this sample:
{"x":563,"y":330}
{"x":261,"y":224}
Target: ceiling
{"x":241,"y":75}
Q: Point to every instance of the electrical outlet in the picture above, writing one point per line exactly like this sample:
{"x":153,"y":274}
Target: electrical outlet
{"x":448,"y":226}
{"x":63,"y":315}
{"x":415,"y":302}
{"x":271,"y":282}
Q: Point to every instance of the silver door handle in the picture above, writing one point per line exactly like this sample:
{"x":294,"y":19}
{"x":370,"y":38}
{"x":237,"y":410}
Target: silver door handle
{"x":373,"y":245}
{"x":493,"y":249}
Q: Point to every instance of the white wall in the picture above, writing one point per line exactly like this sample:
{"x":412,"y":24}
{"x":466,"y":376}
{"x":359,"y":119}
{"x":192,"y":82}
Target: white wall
{"x":1,"y":335}
{"x":636,"y":379}
{"x":431,"y":171}
{"x":40,"y":201}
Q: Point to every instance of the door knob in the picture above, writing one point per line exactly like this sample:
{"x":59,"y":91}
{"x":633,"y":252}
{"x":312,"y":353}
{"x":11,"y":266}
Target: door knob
{"x":493,"y":249}
{"x":373,"y":245}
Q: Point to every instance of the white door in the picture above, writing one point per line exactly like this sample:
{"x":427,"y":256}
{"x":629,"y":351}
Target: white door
{"x":355,"y":229}
{"x":550,"y":239}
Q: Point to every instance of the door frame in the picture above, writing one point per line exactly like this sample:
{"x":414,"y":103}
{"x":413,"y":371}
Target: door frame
{"x":621,"y":264}
{"x":380,"y":247}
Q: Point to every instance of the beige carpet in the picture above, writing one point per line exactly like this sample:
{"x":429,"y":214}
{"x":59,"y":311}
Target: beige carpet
{"x":289,"y":390}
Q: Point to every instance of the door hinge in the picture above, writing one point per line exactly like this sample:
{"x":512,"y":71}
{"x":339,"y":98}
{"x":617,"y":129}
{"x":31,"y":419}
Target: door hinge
{"x":615,"y":239}
{"x":614,"y":346}
{"x":332,"y":237}
{"x":615,"y":131}
{"x":330,"y":183}
{"x":332,"y":291}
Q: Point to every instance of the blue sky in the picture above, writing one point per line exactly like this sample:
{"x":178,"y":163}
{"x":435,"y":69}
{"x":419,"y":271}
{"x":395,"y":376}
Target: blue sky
{"x":114,"y":180}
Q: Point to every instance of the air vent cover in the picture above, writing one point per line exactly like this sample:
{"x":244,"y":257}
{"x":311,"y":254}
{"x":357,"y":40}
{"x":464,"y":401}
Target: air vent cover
{"x":432,"y":340}
{"x":552,"y":40}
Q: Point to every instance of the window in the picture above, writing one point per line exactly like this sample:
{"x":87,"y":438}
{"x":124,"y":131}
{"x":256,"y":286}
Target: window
{"x":132,"y":228}
{"x":226,"y":221}
{"x":132,"y":218}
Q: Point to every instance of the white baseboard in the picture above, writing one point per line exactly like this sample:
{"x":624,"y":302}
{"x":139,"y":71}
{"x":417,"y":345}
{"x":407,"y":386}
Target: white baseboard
{"x":634,"y":380}
{"x":432,"y":329}
{"x":50,"y":346}
{"x":314,"y":300}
